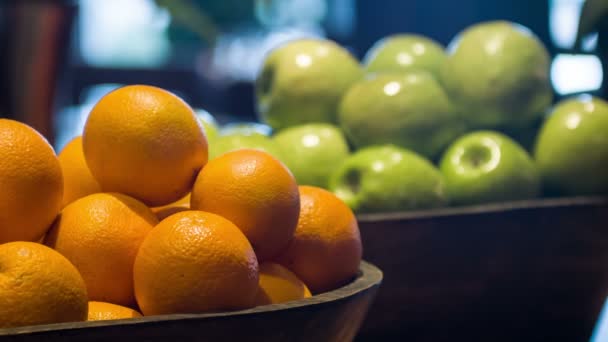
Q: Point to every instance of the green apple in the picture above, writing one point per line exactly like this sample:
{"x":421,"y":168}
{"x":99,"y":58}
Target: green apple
{"x":227,"y":143}
{"x":572,"y":147}
{"x":245,"y":129}
{"x":497,"y":75}
{"x":312,"y":151}
{"x":487,"y":166}
{"x":405,"y":52}
{"x":209,"y":123}
{"x":388,"y":178}
{"x":302,"y":81}
{"x":409,"y":110}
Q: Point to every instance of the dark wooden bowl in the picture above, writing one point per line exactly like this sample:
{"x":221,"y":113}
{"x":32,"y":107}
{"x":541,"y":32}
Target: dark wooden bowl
{"x":526,"y":271}
{"x":331,"y":316}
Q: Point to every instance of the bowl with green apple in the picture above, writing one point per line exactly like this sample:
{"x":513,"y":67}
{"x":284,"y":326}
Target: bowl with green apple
{"x":481,"y":197}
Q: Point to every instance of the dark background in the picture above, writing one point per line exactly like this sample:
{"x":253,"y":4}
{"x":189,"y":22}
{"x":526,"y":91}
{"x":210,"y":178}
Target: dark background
{"x":44,"y":77}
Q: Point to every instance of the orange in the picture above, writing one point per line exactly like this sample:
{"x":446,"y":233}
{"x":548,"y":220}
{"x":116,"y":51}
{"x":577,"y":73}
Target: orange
{"x":192,"y":262}
{"x":145,"y":142}
{"x":100,"y":234}
{"x":77,"y":178}
{"x":325,"y":251}
{"x":102,"y":311}
{"x":181,"y":204}
{"x":256,"y":192}
{"x":38,"y":286}
{"x":279,"y":285}
{"x":31,"y":183}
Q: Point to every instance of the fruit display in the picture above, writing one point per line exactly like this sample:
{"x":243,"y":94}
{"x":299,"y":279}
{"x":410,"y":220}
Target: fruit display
{"x":429,"y":127}
{"x":157,"y":209}
{"x":133,"y":219}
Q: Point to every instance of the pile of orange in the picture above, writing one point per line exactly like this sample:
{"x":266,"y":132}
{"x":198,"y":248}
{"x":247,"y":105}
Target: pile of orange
{"x":134,"y":220}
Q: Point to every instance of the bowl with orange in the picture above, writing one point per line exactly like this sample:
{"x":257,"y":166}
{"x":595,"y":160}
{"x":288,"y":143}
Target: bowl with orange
{"x":131,"y":231}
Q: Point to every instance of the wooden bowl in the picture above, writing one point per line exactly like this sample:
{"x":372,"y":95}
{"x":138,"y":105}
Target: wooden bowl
{"x":330,"y":316}
{"x":526,"y":271}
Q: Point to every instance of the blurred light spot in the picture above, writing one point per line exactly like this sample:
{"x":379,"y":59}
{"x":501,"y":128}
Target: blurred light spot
{"x":493,"y":46}
{"x":589,"y":106}
{"x":322,"y":50}
{"x":589,"y":43}
{"x":392,"y":88}
{"x":310,"y":140}
{"x":303,"y":61}
{"x":123,"y":33}
{"x":523,"y":30}
{"x":405,"y":58}
{"x":341,"y":17}
{"x":413,"y":78}
{"x":396,"y":157}
{"x":576,"y":73}
{"x":377,"y":166}
{"x":573,"y":121}
{"x":277,"y":13}
{"x":70,"y":121}
{"x":563,"y":21}
{"x":240,"y":55}
{"x":600,"y":332}
{"x":419,"y":48}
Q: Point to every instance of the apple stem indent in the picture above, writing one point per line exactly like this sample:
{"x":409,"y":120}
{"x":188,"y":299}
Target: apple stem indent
{"x":477,"y":156}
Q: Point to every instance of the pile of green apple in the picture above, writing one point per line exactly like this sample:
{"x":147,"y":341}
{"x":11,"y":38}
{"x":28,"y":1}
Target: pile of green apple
{"x":417,"y":126}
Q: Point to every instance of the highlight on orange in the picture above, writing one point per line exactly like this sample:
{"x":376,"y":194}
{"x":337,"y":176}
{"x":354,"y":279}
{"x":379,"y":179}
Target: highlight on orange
{"x":256,"y":192}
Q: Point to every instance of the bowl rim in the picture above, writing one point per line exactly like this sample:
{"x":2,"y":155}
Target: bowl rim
{"x":538,"y":203}
{"x":369,"y":276}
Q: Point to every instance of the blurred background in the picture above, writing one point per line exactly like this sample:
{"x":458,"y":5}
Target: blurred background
{"x":57,"y":57}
